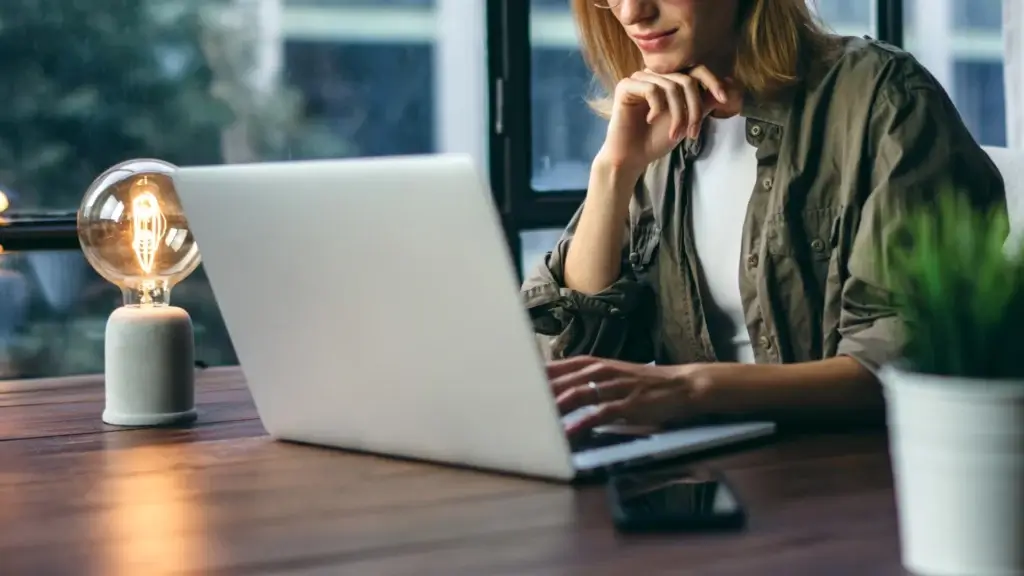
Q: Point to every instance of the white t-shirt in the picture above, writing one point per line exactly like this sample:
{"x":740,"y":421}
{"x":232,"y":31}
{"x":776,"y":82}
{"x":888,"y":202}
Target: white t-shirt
{"x":722,"y":182}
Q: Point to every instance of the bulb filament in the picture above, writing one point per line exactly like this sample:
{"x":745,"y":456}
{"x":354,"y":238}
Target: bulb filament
{"x":148,"y":226}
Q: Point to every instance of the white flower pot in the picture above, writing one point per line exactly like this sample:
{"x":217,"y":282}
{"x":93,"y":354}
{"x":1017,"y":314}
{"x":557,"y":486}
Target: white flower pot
{"x":957,"y":449}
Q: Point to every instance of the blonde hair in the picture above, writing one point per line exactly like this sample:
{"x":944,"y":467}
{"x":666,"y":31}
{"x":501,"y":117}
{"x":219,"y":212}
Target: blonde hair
{"x":776,"y":39}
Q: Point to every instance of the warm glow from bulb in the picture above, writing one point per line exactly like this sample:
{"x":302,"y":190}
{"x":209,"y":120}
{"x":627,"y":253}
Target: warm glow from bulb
{"x":150,"y":517}
{"x":148,"y":224}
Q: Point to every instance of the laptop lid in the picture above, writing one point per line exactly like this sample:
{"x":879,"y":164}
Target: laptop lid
{"x":373,"y":306}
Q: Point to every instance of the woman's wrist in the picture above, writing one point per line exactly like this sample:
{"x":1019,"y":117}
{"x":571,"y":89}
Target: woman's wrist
{"x":710,"y":389}
{"x":831,"y":387}
{"x":612,"y":174}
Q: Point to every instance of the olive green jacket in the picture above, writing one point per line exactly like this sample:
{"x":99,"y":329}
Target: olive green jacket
{"x":867,"y":136}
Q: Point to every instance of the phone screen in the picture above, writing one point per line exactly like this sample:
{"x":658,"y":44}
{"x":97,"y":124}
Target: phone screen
{"x":675,"y":499}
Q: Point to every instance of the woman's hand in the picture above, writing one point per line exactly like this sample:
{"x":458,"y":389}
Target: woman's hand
{"x":639,"y":394}
{"x":652,"y":113}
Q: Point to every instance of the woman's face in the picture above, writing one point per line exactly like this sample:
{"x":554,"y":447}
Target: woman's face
{"x":677,"y":34}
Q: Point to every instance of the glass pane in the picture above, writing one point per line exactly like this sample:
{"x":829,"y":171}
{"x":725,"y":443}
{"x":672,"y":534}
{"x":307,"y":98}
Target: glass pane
{"x":566,"y":133}
{"x":195,"y":82}
{"x":846,"y":17}
{"x":535,"y":244}
{"x":54,"y":308}
{"x":961,"y":43}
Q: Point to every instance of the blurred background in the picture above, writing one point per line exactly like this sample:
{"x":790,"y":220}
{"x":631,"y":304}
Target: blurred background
{"x":89,"y":83}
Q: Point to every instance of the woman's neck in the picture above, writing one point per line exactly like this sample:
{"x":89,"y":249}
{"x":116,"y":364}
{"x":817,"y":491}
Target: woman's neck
{"x":722,"y":60}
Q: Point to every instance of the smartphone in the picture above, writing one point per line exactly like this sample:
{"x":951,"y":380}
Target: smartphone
{"x":674,"y":500}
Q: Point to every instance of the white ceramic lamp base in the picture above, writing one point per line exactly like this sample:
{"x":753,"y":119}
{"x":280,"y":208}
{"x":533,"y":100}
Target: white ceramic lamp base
{"x":150,"y":367}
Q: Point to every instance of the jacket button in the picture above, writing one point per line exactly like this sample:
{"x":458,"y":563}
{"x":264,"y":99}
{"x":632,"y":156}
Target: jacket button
{"x":753,"y":260}
{"x":818,"y":245}
{"x":766,"y":342}
{"x":634,"y":258}
{"x":767,"y":183}
{"x":755,"y":130}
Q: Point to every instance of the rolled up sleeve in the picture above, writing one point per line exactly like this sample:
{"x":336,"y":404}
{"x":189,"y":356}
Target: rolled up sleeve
{"x":614,"y":323}
{"x":919,"y":149}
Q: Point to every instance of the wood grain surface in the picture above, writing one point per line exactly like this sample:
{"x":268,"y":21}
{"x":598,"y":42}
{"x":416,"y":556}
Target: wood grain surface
{"x":220,"y":497}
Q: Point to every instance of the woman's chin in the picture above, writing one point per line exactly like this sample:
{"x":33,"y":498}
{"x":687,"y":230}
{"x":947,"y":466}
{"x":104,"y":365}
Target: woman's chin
{"x":666,"y":63}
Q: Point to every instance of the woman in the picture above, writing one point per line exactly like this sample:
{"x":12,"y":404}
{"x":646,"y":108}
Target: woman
{"x":752,"y":166}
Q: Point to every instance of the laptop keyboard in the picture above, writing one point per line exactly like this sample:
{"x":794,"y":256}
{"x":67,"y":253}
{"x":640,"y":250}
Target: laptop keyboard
{"x":592,"y":440}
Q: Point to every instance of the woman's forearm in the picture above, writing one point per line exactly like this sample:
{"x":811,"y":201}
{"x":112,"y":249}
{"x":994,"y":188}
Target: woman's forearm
{"x":594,"y":258}
{"x":836,"y":388}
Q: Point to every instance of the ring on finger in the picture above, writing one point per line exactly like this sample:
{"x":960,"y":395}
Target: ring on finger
{"x":597,"y":392}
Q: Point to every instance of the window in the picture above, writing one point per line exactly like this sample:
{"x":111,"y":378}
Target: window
{"x":846,"y":17}
{"x":960,"y":42}
{"x":53,"y":312}
{"x":90,"y":83}
{"x":536,"y":244}
{"x":978,"y":15}
{"x":979,"y":95}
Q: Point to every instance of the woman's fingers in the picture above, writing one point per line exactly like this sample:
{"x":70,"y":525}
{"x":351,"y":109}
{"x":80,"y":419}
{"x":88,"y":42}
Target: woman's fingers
{"x":598,"y":371}
{"x":711,"y":92}
{"x":686,"y":98}
{"x":558,"y":368}
{"x":633,"y":91}
{"x":605,"y":414}
{"x":675,"y":99}
{"x":716,"y":87}
{"x":694,"y":101}
{"x":601,"y":392}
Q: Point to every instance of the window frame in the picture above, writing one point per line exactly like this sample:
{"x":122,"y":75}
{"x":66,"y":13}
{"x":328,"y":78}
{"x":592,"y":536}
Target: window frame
{"x":521,"y":207}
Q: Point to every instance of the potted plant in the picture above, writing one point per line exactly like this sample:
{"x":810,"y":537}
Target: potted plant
{"x":955,"y":401}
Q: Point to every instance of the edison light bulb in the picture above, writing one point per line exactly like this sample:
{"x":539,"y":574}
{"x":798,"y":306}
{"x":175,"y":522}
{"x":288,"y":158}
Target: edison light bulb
{"x":134,"y":233}
{"x":4,"y":204}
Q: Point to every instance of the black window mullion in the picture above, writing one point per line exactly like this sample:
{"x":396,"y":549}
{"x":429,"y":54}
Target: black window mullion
{"x":511,"y":153}
{"x":51,"y":233}
{"x":508,"y":42}
{"x":503,"y":138}
{"x":511,"y":138}
{"x":890,"y":21}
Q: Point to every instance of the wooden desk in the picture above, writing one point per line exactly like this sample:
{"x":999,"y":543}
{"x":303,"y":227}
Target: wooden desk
{"x":79,"y":497}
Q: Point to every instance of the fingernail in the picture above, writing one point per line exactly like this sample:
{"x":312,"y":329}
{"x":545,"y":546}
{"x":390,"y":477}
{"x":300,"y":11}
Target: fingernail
{"x":720,"y":94}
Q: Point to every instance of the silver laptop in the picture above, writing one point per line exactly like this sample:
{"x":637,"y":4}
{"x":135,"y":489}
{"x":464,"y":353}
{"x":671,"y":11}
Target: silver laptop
{"x":374,"y":307}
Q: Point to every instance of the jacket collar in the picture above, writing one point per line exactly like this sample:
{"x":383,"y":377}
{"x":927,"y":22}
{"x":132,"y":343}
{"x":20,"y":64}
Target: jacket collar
{"x":773,"y":110}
